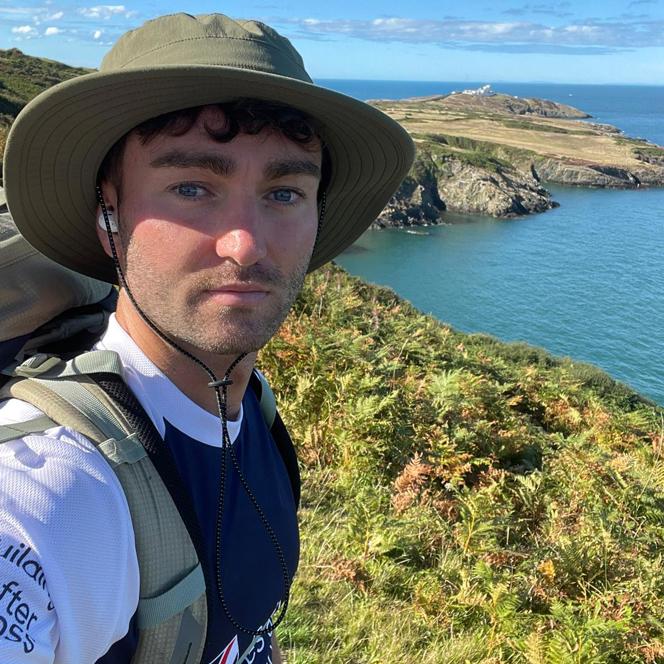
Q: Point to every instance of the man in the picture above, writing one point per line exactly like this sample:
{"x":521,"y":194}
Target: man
{"x":219,"y":175}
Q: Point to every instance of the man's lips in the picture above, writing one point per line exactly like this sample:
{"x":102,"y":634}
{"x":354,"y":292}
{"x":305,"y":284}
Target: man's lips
{"x":238,"y":293}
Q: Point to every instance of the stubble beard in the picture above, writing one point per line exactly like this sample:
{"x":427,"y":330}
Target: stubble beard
{"x":180,"y":312}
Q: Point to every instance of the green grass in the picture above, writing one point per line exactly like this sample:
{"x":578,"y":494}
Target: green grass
{"x":473,"y":153}
{"x":547,"y":128}
{"x":651,"y":152}
{"x":641,"y":148}
{"x":464,"y":500}
{"x":22,"y":77}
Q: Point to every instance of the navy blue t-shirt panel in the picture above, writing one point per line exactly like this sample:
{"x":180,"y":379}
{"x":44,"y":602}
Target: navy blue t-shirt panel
{"x":123,"y":650}
{"x":252,"y":577}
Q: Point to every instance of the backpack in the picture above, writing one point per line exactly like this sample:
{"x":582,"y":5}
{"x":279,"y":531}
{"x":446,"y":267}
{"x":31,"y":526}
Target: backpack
{"x":85,"y":391}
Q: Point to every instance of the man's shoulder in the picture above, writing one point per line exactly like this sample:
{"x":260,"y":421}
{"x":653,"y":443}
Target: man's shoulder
{"x":50,"y":469}
{"x":67,"y":544}
{"x":15,"y":414}
{"x":57,"y":488}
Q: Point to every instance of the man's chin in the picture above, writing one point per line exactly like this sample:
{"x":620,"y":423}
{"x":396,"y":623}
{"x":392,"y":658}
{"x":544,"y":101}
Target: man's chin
{"x":230,"y":340}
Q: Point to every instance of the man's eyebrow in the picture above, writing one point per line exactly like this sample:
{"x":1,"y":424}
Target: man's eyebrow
{"x":224,"y":166}
{"x":216,"y":163}
{"x":281,"y":167}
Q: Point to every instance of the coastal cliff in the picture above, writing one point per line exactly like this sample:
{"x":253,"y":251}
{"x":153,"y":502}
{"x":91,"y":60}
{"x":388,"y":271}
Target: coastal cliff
{"x":493,"y":154}
{"x":464,"y":182}
{"x":484,"y":100}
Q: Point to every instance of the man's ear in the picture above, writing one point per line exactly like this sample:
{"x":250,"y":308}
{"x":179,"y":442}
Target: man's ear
{"x":109,"y":195}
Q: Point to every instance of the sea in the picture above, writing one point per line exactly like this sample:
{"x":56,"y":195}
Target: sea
{"x":584,"y":280}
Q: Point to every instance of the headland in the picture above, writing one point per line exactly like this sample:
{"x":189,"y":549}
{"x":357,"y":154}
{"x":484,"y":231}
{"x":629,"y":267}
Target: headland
{"x":479,"y":152}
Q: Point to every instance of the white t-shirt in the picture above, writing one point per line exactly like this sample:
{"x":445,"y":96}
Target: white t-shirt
{"x":69,"y":576}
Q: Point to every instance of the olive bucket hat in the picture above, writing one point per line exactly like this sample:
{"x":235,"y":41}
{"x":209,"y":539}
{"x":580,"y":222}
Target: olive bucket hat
{"x":58,"y":141}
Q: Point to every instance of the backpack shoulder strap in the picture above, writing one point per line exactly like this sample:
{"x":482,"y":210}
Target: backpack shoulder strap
{"x":277,"y":428}
{"x":20,"y":429}
{"x":172,"y":611}
{"x":265,"y":396}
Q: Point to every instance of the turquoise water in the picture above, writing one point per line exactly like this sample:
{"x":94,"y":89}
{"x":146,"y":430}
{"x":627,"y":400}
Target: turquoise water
{"x":584,"y":280}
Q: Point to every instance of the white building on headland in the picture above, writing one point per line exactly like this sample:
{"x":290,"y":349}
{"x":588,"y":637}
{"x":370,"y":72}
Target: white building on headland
{"x":484,"y":91}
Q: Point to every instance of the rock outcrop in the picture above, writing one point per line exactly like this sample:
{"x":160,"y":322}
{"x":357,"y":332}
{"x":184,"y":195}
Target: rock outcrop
{"x":584,"y":174}
{"x":416,"y":203}
{"x":504,"y":192}
{"x":461,"y":182}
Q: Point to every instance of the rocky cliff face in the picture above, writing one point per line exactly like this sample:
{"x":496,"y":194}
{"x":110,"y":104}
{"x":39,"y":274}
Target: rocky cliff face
{"x":504,"y":192}
{"x":586,"y":174}
{"x":490,"y":154}
{"x":416,"y":203}
{"x":467,"y":176}
{"x":583,"y":174}
{"x":442,"y":181}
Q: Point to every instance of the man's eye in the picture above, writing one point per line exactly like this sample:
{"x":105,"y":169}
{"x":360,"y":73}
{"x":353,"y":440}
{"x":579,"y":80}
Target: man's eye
{"x":285,"y":195}
{"x":189,"y":190}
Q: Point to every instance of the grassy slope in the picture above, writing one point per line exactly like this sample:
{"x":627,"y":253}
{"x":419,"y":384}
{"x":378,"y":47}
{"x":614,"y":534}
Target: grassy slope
{"x":21,"y":78}
{"x":464,"y":500}
{"x":544,"y":137}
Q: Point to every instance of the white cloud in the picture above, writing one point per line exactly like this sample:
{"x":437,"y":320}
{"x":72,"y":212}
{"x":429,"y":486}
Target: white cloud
{"x":105,"y":11}
{"x":23,"y":30}
{"x":19,"y":17}
{"x":590,"y":36}
{"x":52,"y":31}
{"x":37,"y":15}
{"x":97,"y":34}
{"x":500,"y":28}
{"x":587,"y":29}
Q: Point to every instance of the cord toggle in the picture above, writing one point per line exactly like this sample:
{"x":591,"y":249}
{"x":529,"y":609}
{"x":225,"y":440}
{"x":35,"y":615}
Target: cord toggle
{"x":224,"y":382}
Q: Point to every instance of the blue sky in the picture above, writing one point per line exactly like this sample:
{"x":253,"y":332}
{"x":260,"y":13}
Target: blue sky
{"x":607,"y":41}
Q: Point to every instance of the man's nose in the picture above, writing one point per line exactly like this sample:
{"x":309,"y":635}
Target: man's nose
{"x":241,"y":237}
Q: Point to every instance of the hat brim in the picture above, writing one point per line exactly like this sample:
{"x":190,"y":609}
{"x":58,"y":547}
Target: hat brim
{"x":58,"y":141}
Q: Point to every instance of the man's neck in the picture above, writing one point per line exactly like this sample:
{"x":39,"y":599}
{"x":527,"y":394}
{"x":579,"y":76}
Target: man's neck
{"x":185,"y":374}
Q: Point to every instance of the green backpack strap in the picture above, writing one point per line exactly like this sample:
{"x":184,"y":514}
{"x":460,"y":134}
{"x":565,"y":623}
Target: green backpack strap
{"x":20,"y":429}
{"x":280,"y":434}
{"x":266,"y":399}
{"x":172,"y":610}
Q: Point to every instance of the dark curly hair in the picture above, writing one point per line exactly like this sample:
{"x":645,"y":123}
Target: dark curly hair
{"x":247,"y":116}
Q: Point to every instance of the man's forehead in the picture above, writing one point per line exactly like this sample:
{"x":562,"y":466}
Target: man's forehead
{"x":212,"y":115}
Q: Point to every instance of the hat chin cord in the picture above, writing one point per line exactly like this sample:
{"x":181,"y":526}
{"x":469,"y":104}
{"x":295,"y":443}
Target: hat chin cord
{"x":220,"y":387}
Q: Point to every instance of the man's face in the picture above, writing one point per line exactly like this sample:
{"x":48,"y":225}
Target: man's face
{"x":216,"y":237}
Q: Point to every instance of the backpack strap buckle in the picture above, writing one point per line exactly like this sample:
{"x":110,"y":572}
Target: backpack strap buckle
{"x":36,"y":365}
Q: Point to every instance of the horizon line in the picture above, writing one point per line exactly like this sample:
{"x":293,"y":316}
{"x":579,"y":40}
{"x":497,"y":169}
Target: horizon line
{"x":395,"y":80}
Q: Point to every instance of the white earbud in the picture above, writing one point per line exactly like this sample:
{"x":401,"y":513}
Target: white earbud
{"x":111,"y":221}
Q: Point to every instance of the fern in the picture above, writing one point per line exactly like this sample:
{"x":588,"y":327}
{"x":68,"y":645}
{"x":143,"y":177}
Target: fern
{"x":463,"y":500}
